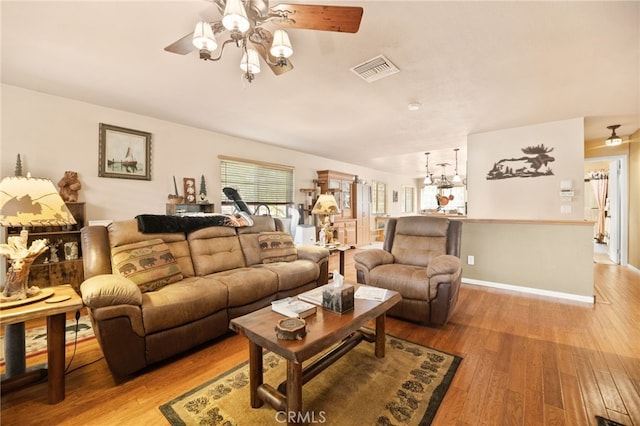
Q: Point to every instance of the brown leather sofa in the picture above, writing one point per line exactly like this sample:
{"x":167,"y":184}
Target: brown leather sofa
{"x":420,"y":259}
{"x":222,"y":275}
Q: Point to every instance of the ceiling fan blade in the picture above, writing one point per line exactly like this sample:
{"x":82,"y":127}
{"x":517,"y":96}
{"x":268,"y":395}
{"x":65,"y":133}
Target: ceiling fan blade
{"x":345,"y":19}
{"x":182,"y":46}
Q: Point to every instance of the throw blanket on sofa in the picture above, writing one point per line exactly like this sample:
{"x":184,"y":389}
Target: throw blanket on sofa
{"x":158,"y":224}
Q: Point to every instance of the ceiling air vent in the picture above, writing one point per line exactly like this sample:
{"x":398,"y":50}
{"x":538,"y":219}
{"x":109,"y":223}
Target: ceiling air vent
{"x":375,"y":69}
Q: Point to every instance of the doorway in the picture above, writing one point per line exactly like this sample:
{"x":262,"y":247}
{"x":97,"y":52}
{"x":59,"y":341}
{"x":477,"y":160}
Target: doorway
{"x":609,"y":209}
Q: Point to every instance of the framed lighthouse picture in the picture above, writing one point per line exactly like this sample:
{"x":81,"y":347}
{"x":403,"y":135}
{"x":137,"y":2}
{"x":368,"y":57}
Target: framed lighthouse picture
{"x":124,"y":153}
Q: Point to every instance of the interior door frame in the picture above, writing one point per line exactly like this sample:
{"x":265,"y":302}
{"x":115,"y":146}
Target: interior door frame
{"x":623,"y":202}
{"x":615,"y":207}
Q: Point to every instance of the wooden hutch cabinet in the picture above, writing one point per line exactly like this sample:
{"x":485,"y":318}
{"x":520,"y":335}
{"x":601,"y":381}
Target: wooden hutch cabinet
{"x":47,"y":271}
{"x":354,"y":201}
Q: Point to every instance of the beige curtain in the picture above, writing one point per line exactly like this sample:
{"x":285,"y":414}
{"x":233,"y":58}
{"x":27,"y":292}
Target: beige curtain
{"x":600,"y":185}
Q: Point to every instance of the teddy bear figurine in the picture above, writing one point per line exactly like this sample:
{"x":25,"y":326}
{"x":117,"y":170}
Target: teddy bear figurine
{"x":69,"y":186}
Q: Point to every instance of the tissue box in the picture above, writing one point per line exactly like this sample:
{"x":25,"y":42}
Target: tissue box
{"x":338,"y":299}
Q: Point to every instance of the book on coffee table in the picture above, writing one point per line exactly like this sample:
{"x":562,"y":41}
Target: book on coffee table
{"x":314,"y":296}
{"x":293,"y":308}
{"x":371,"y":293}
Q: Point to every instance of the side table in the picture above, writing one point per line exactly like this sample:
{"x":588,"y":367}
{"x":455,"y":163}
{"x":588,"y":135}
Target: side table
{"x":55,"y":314}
{"x":341,"y":249}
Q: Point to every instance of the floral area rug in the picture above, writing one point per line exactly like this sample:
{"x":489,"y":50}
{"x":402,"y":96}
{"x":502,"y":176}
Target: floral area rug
{"x":36,"y":338}
{"x":405,"y":387}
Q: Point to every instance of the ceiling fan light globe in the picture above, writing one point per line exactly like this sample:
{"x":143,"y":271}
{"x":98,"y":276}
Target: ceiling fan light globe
{"x":235,"y":17}
{"x":250,"y":62}
{"x":203,"y":37}
{"x":613,"y":141}
{"x":281,"y":46}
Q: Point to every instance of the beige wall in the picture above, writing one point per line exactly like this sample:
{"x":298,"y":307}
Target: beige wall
{"x":54,"y":134}
{"x":534,"y":256}
{"x":529,"y":197}
{"x":509,"y":229}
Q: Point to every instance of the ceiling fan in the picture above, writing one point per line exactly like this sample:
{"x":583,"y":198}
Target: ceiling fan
{"x":243,"y":20}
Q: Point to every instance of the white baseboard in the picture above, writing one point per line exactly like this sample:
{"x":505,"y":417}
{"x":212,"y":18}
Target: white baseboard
{"x":633,"y":268}
{"x":530,"y":290}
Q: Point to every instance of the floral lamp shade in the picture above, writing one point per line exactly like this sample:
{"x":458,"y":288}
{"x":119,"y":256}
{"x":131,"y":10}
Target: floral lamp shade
{"x":28,"y":201}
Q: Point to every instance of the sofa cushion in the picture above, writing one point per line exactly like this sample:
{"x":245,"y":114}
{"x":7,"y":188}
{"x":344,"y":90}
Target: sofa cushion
{"x":410,"y":281}
{"x":181,"y":303}
{"x":292,"y":275}
{"x":276,"y":247}
{"x":215,"y":249}
{"x":248,"y":285}
{"x":126,"y":232}
{"x":417,"y":241}
{"x":149,"y":264}
{"x":249,"y":238}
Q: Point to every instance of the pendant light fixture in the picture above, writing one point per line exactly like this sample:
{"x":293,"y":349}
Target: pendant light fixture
{"x":614,"y":139}
{"x":250,"y":64}
{"x":235,"y":17}
{"x":444,"y":182}
{"x":456,"y":177}
{"x":203,"y":37}
{"x":281,"y":47}
{"x":427,"y":178}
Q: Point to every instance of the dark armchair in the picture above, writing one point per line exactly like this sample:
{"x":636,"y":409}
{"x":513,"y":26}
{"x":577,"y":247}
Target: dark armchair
{"x":420,"y":259}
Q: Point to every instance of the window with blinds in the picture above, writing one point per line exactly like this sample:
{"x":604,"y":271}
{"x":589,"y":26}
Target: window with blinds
{"x":378,"y":198}
{"x":257,"y":182}
{"x":407,"y":199}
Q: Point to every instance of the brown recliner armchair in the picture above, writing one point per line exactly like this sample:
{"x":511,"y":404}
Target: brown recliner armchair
{"x":420,"y":259}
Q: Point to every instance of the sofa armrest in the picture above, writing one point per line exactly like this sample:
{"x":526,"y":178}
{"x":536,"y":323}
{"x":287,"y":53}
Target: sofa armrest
{"x":372,"y":258}
{"x":444,"y":269}
{"x":109,"y":290}
{"x":130,"y":312}
{"x":444,"y":266}
{"x":313,"y":253}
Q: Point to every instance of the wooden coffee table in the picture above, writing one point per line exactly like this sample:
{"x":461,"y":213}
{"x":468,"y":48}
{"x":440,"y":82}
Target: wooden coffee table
{"x":324,"y":330}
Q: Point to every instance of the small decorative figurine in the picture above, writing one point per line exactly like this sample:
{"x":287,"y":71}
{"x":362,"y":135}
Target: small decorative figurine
{"x":203,"y":190}
{"x":53,"y":248}
{"x":69,"y":186}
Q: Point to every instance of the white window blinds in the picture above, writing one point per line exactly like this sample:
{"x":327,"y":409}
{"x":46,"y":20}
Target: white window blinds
{"x":257,"y":182}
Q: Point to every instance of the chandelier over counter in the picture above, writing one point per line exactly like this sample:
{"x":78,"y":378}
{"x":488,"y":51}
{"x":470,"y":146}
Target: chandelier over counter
{"x":443,"y":182}
{"x":243,"y":20}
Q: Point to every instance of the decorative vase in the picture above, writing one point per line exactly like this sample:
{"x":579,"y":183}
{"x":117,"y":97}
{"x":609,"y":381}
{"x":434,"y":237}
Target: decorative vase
{"x":71,"y":250}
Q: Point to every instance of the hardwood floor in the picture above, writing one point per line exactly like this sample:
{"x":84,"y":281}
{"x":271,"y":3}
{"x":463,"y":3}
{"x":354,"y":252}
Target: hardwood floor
{"x":528,"y":360}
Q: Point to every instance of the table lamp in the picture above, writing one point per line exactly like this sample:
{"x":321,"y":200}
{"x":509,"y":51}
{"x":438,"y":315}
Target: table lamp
{"x":326,"y":206}
{"x":27,"y":202}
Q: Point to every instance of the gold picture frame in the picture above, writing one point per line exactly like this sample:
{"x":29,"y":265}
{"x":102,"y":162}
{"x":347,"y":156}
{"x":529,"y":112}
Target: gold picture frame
{"x":124,"y":153}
